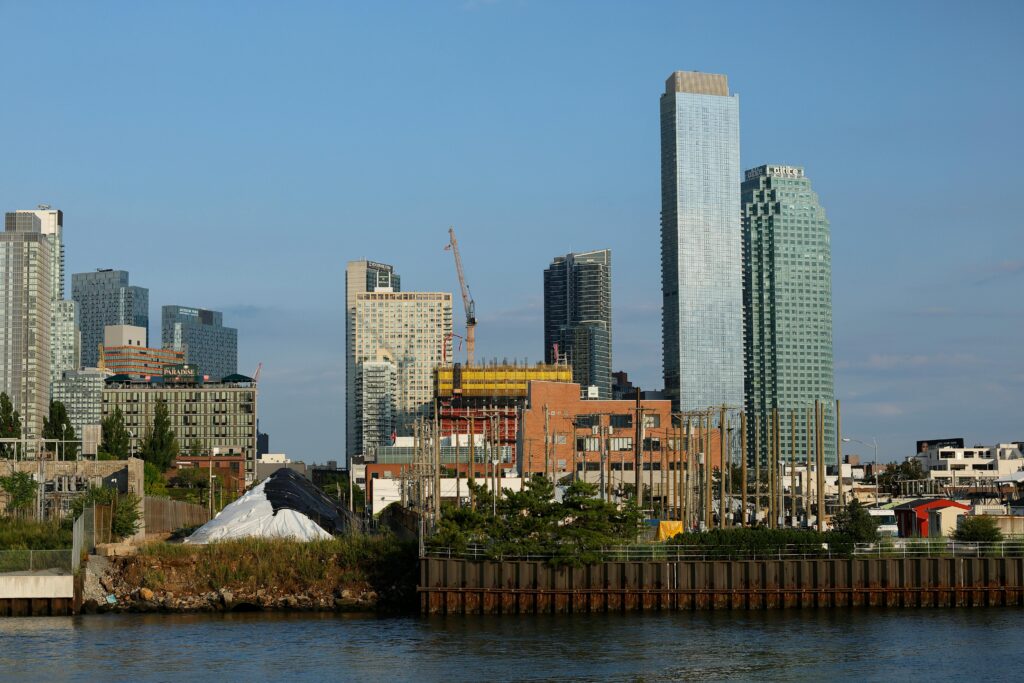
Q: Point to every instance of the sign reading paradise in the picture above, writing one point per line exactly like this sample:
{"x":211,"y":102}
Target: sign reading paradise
{"x":185,"y":373}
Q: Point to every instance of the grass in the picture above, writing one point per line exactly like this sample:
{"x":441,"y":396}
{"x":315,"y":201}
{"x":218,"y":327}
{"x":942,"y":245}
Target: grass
{"x":26,"y":534}
{"x":382,"y":563}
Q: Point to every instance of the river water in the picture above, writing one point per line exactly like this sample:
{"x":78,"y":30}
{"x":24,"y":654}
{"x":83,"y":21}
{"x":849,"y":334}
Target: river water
{"x":859,"y":644}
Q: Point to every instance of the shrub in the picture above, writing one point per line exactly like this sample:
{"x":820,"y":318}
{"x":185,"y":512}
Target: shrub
{"x":977,"y":529}
{"x":856,"y":522}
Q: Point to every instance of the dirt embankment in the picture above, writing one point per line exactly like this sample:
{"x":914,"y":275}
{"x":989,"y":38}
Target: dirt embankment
{"x":353,"y":574}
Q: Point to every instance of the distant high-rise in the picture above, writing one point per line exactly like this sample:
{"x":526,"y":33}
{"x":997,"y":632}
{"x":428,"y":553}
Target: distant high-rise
{"x":201,"y":335}
{"x":787,"y":295}
{"x":701,"y":270}
{"x":360,"y":277}
{"x":578,"y":317}
{"x":26,"y":305}
{"x":65,"y":344}
{"x":105,"y":298}
{"x":410,"y":330}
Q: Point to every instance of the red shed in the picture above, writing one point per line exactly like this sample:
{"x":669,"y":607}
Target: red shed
{"x":912,"y":517}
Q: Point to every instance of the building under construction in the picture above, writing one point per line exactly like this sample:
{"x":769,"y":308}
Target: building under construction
{"x":487,"y":400}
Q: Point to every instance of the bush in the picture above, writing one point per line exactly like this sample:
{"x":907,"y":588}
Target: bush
{"x":856,"y":522}
{"x":125,"y":520}
{"x":25,"y":534}
{"x":746,"y":541}
{"x":977,"y":529}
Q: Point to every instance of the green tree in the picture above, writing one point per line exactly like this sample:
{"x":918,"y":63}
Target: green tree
{"x":160,"y":446}
{"x":20,"y":490}
{"x":977,"y":529}
{"x":856,"y":522}
{"x":116,"y":439}
{"x":125,"y":518}
{"x":10,"y":425}
{"x":909,"y":470}
{"x":590,"y":524}
{"x":154,"y":483}
{"x":57,"y":425}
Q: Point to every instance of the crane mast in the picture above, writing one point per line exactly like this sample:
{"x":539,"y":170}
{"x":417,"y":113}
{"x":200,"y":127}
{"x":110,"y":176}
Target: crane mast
{"x":467,"y":299}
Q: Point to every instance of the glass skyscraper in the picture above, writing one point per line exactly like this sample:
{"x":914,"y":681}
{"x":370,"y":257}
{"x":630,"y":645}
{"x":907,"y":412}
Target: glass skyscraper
{"x":201,"y":335}
{"x":701,"y":269}
{"x":787,"y":292}
{"x":105,"y":298}
{"x":578,"y":317}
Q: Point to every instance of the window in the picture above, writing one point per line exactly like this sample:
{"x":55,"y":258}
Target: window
{"x":622,"y":421}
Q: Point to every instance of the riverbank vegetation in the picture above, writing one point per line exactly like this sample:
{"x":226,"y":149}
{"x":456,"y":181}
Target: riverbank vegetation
{"x":28,"y":534}
{"x":280,"y":567}
{"x":531,"y":523}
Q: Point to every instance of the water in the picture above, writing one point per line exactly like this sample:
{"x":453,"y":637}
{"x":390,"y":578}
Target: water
{"x":871,"y":645}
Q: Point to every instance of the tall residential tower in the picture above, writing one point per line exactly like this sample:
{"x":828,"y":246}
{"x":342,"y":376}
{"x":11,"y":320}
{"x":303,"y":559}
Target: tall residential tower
{"x":105,"y":298}
{"x":360,"y":277}
{"x":787,"y":293}
{"x":26,"y":304}
{"x":701,"y":270}
{"x":578,"y":317}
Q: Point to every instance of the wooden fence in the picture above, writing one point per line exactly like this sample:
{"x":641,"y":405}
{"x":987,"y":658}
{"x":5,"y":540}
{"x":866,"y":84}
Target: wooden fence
{"x":164,"y":515}
{"x":463,"y":586}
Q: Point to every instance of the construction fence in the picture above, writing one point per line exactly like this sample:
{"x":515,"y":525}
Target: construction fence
{"x":164,"y":515}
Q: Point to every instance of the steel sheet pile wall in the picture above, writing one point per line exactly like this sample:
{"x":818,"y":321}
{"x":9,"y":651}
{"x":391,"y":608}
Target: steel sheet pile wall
{"x":456,"y":586}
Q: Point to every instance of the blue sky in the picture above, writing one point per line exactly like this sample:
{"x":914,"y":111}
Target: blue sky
{"x":234,"y":155}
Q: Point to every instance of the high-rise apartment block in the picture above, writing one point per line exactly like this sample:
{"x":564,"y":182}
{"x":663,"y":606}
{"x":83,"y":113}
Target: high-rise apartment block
{"x":787,"y":291}
{"x":26,"y":305}
{"x":701,"y":269}
{"x":410,"y":330}
{"x":200,"y":334}
{"x":106,"y":298}
{"x":360,"y":277}
{"x":578,"y":317}
{"x":64,"y":336}
{"x":81,"y":392}
{"x":376,"y":398}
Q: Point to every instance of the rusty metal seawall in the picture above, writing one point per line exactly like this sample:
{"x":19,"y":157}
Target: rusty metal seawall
{"x":460,"y":586}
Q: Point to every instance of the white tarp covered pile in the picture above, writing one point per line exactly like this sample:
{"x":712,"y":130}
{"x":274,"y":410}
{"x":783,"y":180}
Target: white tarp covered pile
{"x":253,"y":515}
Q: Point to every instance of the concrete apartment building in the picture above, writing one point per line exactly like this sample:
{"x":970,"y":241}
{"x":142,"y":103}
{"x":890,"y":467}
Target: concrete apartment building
{"x":26,"y":310}
{"x":701,"y":254}
{"x":216,"y":418}
{"x":104,"y":298}
{"x":200,"y":335}
{"x":412,"y":332}
{"x":971,"y":466}
{"x":360,"y":277}
{"x":125,"y":353}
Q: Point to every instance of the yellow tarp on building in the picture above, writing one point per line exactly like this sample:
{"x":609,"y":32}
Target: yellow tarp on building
{"x":667,"y":530}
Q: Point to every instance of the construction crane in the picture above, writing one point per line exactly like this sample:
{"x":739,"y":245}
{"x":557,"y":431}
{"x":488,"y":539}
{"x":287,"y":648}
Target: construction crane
{"x":467,"y":299}
{"x":256,"y":375}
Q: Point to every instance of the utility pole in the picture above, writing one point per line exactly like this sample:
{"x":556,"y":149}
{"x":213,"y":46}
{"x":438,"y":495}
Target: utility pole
{"x":637,"y":455}
{"x":743,"y":468}
{"x":723,"y":439}
{"x":757,"y":468}
{"x":792,"y":466}
{"x":708,"y":515}
{"x":839,"y":456}
{"x":807,"y":468}
{"x":820,"y":449}
{"x":547,"y":439}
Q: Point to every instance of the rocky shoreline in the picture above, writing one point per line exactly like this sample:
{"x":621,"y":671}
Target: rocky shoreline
{"x":108,"y":587}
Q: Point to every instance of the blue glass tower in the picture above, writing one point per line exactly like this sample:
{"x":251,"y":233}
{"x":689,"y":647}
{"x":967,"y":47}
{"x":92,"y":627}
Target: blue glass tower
{"x":701,"y":251}
{"x":201,"y":334}
{"x":105,"y":298}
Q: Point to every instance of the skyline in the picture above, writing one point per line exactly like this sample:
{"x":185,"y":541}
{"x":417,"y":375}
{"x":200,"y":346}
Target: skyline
{"x":894,"y":138}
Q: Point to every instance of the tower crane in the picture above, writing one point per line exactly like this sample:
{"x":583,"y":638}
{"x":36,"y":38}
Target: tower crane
{"x":467,"y":299}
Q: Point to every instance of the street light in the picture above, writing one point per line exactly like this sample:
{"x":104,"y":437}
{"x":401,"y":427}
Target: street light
{"x":874,"y":463}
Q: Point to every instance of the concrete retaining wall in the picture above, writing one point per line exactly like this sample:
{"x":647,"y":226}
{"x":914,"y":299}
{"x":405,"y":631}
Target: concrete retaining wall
{"x":455,"y":586}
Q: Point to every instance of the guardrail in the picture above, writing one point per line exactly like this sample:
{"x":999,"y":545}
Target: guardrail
{"x":674,"y":553}
{"x":940,"y":547}
{"x":37,"y":561}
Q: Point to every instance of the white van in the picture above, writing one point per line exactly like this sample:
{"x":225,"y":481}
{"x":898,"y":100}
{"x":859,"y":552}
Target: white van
{"x":886,"y":522}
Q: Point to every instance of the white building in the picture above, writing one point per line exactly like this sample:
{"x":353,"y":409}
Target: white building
{"x":975,"y":465}
{"x":414,"y":330}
